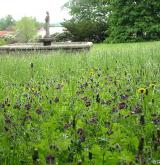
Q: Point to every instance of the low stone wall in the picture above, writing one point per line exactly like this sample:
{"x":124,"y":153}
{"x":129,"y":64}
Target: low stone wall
{"x":75,"y":46}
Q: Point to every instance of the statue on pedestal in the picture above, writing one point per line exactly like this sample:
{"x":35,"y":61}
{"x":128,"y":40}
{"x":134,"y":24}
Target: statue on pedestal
{"x":47,"y":21}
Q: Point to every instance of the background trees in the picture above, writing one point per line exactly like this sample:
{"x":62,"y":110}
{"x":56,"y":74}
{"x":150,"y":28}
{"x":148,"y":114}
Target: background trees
{"x":115,"y":20}
{"x":99,"y":20}
{"x":89,"y":20}
{"x":26,"y":29}
{"x":137,"y":20}
{"x":7,"y":22}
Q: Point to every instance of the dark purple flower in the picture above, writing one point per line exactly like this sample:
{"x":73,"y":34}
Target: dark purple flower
{"x":80,"y":131}
{"x":155,"y":119}
{"x":56,"y":100}
{"x":50,"y":159}
{"x":124,"y":97}
{"x":7,"y":120}
{"x":122,"y":105}
{"x":93,"y":120}
{"x":137,"y":109}
{"x":27,"y":106}
{"x":39,"y":111}
{"x":87,"y":103}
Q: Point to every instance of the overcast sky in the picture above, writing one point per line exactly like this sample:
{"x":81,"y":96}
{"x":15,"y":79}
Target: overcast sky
{"x":35,"y":8}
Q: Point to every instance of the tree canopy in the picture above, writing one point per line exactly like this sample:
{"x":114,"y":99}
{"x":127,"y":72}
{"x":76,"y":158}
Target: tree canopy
{"x":26,"y":29}
{"x":89,"y":19}
{"x":7,"y":22}
{"x":136,"y":20}
{"x":120,"y":20}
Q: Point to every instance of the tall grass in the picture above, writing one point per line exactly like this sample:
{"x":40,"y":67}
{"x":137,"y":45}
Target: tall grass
{"x":96,"y":107}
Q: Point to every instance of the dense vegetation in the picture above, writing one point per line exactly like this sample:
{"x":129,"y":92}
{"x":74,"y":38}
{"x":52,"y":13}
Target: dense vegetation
{"x":102,"y":20}
{"x":120,"y":20}
{"x":98,"y":107}
{"x":137,"y":20}
{"x":7,"y":22}
{"x":89,"y":20}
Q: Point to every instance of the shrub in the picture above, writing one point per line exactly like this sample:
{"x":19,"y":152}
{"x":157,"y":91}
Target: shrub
{"x":2,"y":41}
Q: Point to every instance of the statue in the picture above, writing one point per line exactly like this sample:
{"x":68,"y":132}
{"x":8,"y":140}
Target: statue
{"x":47,"y":20}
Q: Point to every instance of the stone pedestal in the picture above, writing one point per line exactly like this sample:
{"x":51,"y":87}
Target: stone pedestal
{"x":46,"y":41}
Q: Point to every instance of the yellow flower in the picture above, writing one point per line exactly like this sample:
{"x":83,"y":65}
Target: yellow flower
{"x":92,"y":72}
{"x":141,"y":90}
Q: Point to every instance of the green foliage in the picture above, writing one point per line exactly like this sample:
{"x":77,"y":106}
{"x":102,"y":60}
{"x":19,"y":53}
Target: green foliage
{"x":62,"y":37}
{"x":88,"y":19}
{"x":7,"y":22}
{"x":26,"y":29}
{"x":81,"y":108}
{"x":131,"y":21}
{"x":2,"y":42}
{"x":86,"y":30}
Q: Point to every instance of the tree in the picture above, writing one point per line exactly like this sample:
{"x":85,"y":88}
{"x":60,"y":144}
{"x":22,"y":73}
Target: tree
{"x":134,"y":20}
{"x":86,"y":30}
{"x":26,"y":29}
{"x":89,"y":19}
{"x":7,"y":22}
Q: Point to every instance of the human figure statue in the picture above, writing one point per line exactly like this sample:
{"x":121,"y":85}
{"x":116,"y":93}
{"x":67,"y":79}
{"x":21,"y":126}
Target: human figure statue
{"x":47,"y":20}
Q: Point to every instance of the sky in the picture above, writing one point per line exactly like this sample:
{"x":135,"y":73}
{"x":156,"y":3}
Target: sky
{"x":34,"y":8}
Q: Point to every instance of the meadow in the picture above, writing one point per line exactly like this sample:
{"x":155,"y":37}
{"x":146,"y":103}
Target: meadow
{"x":100,"y":107}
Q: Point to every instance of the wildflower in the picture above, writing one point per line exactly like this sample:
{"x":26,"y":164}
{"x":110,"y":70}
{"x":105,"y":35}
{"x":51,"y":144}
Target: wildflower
{"x":80,"y":131}
{"x":137,"y":109}
{"x":81,"y":134}
{"x":124,"y":97}
{"x":87,"y":103}
{"x":122,"y":105}
{"x":50,"y":159}
{"x":155,"y":119}
{"x":39,"y":111}
{"x":27,"y":106}
{"x":91,"y":72}
{"x":56,"y":100}
{"x":142,"y":90}
{"x":7,"y":120}
{"x":93,"y":120}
